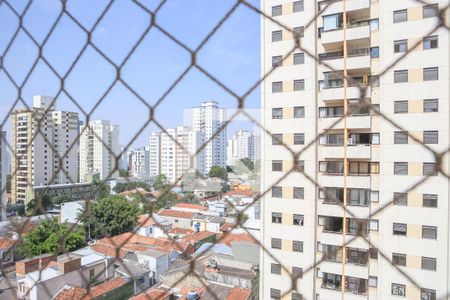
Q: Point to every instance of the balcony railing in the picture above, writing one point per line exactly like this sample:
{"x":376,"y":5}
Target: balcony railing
{"x":340,"y":54}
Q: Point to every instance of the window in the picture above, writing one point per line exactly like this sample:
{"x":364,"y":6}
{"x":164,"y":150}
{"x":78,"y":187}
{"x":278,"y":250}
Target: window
{"x":275,"y":269}
{"x":401,"y":137}
{"x":429,"y":232}
{"x":277,"y":10}
{"x":373,"y":281}
{"x":277,"y":35}
{"x":400,"y":16}
{"x":400,"y":76}
{"x":300,"y":166}
{"x":299,"y":112}
{"x":298,"y":219}
{"x":299,"y":193}
{"x":429,"y":169}
{"x":430,"y":200}
{"x":430,"y":74}
{"x":427,"y":294}
{"x":332,"y":22}
{"x":431,"y":137}
{"x":298,"y":6}
{"x":277,"y":192}
{"x":400,"y":168}
{"x":276,"y":243}
{"x":296,"y":296}
{"x":277,"y":139}
{"x":91,"y":273}
{"x":399,"y":259}
{"x":429,"y":263}
{"x":297,"y":246}
{"x":398,"y":289}
{"x":299,"y":58}
{"x":299,"y":85}
{"x":277,"y":87}
{"x":277,"y":113}
{"x":299,"y":32}
{"x":276,"y":217}
{"x":430,"y":42}
{"x":374,"y":52}
{"x":373,"y":253}
{"x":400,"y":107}
{"x":430,"y":11}
{"x":141,"y":280}
{"x":297,"y":272}
{"x":299,"y":138}
{"x":277,"y":165}
{"x":401,"y":199}
{"x":275,"y":294}
{"x":400,"y":46}
{"x":430,"y":105}
{"x":374,"y":24}
{"x":399,"y":229}
{"x":277,"y":61}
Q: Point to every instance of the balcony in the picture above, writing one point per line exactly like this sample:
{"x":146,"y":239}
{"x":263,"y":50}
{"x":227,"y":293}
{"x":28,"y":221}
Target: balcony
{"x":332,"y":93}
{"x":353,"y":122}
{"x":350,"y":6}
{"x":357,"y":31}
{"x":353,"y":152}
{"x":353,"y":285}
{"x":358,"y":58}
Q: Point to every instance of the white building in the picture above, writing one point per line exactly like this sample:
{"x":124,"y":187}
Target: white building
{"x":139,"y":162}
{"x":243,"y":144}
{"x":155,"y":153}
{"x":303,"y":224}
{"x":44,"y":147}
{"x":208,"y":119}
{"x":99,"y":147}
{"x":3,"y":172}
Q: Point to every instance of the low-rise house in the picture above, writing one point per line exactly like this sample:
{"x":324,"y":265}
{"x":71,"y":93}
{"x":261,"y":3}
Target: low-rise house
{"x":177,"y":218}
{"x":139,"y":192}
{"x":194,"y":208}
{"x":117,"y":288}
{"x":207,"y":223}
{"x":154,"y":226}
{"x":45,"y":275}
{"x":197,"y":239}
{"x":177,"y":232}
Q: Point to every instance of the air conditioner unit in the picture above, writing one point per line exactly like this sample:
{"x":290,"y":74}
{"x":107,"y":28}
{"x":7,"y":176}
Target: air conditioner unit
{"x":350,"y":141}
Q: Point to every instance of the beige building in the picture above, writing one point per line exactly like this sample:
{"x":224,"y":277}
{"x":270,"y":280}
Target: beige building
{"x":99,"y":147}
{"x":364,"y":161}
{"x":43,"y":150}
{"x":3,"y":167}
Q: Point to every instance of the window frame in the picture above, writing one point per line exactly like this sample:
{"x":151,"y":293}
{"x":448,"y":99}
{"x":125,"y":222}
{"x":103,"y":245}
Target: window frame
{"x":433,"y":72}
{"x":403,"y":13}
{"x":401,"y":74}
{"x":277,"y":36}
{"x":278,"y":9}
{"x":398,"y":46}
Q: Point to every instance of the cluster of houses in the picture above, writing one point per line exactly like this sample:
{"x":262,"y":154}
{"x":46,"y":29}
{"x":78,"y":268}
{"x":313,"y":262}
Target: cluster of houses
{"x":187,"y":251}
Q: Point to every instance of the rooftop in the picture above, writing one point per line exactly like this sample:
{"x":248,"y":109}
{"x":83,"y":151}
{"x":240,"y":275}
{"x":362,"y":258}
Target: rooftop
{"x":230,"y":238}
{"x":176,"y":214}
{"x":78,"y":293}
{"x":190,"y":206}
{"x":197,"y":236}
{"x":147,"y":221}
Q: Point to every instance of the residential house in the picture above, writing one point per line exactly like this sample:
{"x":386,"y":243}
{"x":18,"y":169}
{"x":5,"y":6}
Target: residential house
{"x":154,"y":226}
{"x":178,"y":218}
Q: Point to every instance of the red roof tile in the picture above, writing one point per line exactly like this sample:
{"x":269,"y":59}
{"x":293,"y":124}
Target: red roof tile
{"x":197,"y":236}
{"x":227,"y":227}
{"x":77,"y":293}
{"x":152,"y":294}
{"x":176,"y":214}
{"x":6,"y":243}
{"x":229,"y":238}
{"x":238,"y":294}
{"x":190,"y":205}
{"x":179,"y":230}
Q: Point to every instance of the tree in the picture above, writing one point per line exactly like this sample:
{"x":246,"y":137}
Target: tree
{"x":248,"y":163}
{"x":15,"y":209}
{"x":52,"y":237}
{"x":40,"y":206}
{"x":217,"y":171}
{"x":63,"y":198}
{"x":123,"y":173}
{"x":165,"y":200}
{"x":161,"y":183}
{"x":122,"y":187}
{"x":110,"y":216}
{"x":101,"y":189}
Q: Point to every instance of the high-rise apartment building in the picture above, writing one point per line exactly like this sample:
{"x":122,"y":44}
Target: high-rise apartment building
{"x":139,"y":162}
{"x":43,"y":147}
{"x":207,"y":119}
{"x":3,"y":172}
{"x":364,"y":161}
{"x":243,"y":144}
{"x":155,"y":153}
{"x":99,"y":147}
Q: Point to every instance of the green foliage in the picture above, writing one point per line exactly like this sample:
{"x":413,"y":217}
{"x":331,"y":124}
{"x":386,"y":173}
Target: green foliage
{"x":122,"y":187}
{"x":217,"y":171}
{"x":165,"y":200}
{"x":38,"y":207}
{"x":248,"y":163}
{"x":161,"y":183}
{"x":51,"y":237}
{"x":16,"y":208}
{"x":110,"y":216}
{"x":123,"y":173}
{"x":61,"y":199}
{"x":101,"y":189}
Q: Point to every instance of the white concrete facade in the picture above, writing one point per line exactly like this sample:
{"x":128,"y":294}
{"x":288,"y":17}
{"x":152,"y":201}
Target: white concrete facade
{"x":44,"y":147}
{"x":99,"y":147}
{"x":3,"y":172}
{"x":243,"y":144}
{"x":140,"y":162}
{"x":208,"y":119}
{"x":301,"y":99}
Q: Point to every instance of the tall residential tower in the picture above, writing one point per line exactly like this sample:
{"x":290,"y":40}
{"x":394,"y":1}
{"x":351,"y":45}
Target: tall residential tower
{"x":364,"y":161}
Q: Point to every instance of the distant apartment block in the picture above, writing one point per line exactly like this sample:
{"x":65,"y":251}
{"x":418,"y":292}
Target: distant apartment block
{"x":44,"y":147}
{"x":243,"y":144}
{"x":208,"y":119}
{"x":362,"y":163}
{"x":99,"y":147}
{"x":3,"y":172}
{"x":139,"y":162}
